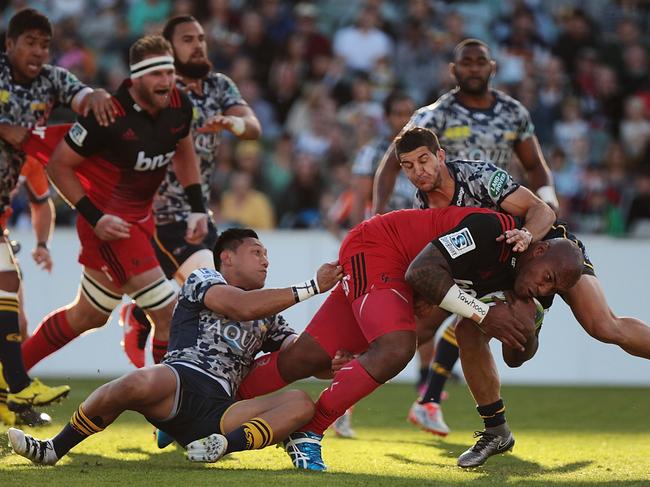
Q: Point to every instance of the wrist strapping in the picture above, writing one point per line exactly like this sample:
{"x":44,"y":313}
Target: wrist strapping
{"x":459,"y":302}
{"x":547,"y":195}
{"x":305,"y":290}
{"x":195,"y":198}
{"x":88,"y":210}
{"x":238,"y":125}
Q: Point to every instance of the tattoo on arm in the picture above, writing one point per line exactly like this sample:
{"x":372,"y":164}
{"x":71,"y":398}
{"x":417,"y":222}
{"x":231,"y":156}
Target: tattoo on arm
{"x":430,"y":275}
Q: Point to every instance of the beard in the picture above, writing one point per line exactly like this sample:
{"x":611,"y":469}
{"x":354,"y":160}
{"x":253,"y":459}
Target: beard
{"x":193,"y":70}
{"x":474,"y":88}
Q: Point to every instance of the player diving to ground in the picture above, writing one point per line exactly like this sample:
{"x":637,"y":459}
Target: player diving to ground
{"x":223,"y":319}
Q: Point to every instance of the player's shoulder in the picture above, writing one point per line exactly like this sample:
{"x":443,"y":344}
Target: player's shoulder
{"x":509,"y":102}
{"x":199,"y":281}
{"x":443,"y":103}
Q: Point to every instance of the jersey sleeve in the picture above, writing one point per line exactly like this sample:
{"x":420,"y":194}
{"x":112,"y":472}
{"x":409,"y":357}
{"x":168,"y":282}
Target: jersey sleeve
{"x":86,"y":137}
{"x":494,"y":183}
{"x":66,"y":84}
{"x":472,"y":243}
{"x":427,"y":117}
{"x":188,"y":113}
{"x":526,"y":128}
{"x":198,"y":283}
{"x":278,"y":332}
{"x":229,"y":93}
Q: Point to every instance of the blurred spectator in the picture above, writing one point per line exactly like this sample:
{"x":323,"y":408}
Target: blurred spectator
{"x":143,"y":13}
{"x":570,"y":127}
{"x":363,"y":44}
{"x":635,"y":128}
{"x":638,"y":218}
{"x":277,"y":169}
{"x":576,"y":36}
{"x":635,"y":70}
{"x":243,"y":206}
{"x":301,"y":206}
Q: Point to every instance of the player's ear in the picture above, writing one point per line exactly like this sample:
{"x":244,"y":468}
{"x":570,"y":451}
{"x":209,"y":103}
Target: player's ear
{"x":9,"y":43}
{"x":441,"y":156}
{"x":493,"y":70}
{"x":540,"y":248}
{"x":452,"y":70}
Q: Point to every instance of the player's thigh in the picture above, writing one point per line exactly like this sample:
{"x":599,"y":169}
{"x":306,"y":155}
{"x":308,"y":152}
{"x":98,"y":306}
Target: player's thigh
{"x":383,"y":311}
{"x":9,"y":275}
{"x":334,"y":326}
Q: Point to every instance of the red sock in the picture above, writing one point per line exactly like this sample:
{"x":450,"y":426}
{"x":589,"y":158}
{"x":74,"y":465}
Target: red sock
{"x":349,"y":385}
{"x":263,"y":378}
{"x":158,"y":350}
{"x":52,"y":333}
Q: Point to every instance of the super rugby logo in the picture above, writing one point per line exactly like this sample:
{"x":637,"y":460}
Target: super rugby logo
{"x":458,"y":243}
{"x":78,"y":134}
{"x":144,"y":163}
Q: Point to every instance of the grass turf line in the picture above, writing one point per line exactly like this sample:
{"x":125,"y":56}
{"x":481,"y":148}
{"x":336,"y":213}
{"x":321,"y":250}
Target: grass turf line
{"x":565,"y":436}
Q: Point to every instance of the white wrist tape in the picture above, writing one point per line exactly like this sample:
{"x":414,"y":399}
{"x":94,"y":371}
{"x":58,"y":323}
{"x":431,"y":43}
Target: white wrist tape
{"x":305,"y":290}
{"x":547,"y":195}
{"x":459,"y":302}
{"x":238,"y":125}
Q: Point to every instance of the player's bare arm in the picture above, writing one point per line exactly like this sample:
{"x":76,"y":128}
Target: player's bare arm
{"x":43,"y":222}
{"x":539,"y":218}
{"x":242,"y":305}
{"x":186,"y":168}
{"x":385,"y":178}
{"x":238,"y":119}
{"x":430,"y":276}
{"x":539,"y":175}
{"x":13,"y":135}
{"x":61,"y":170}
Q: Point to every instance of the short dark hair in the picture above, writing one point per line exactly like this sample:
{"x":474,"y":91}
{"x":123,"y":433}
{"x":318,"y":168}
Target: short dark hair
{"x":170,"y":26}
{"x":414,"y":138}
{"x":469,"y":42}
{"x":394,"y":97}
{"x":229,"y":240}
{"x":148,"y":45}
{"x":28,"y":19}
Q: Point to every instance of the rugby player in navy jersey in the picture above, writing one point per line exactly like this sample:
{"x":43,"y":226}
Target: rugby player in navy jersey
{"x":111,"y":174}
{"x":223,"y":319}
{"x":29,"y":90}
{"x":218,"y":107}
{"x":442,"y":183}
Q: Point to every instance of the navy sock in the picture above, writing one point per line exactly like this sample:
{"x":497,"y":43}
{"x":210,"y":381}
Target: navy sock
{"x":10,"y":354}
{"x":493,"y":415}
{"x":141,"y":317}
{"x":443,"y":362}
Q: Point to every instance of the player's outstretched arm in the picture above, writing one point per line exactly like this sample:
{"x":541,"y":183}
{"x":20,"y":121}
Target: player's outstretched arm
{"x":385,"y":178}
{"x":241,"y":305}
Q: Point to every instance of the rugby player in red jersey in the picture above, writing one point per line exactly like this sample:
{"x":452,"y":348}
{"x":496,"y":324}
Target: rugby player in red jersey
{"x":110,"y":174}
{"x":388,"y":260}
{"x":29,"y":90}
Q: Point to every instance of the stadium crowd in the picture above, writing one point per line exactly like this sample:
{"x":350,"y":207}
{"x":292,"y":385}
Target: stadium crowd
{"x":316,"y":75}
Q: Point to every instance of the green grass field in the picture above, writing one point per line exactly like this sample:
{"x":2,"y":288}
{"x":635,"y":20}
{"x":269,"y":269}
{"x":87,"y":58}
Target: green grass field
{"x":565,"y":436}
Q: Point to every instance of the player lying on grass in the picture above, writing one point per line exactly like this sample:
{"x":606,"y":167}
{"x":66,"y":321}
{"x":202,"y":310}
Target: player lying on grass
{"x":222,"y":320}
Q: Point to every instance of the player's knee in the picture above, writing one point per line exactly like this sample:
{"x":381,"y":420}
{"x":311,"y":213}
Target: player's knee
{"x":302,"y":359}
{"x":301,"y":405}
{"x":133,"y":388}
{"x":395,"y":350}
